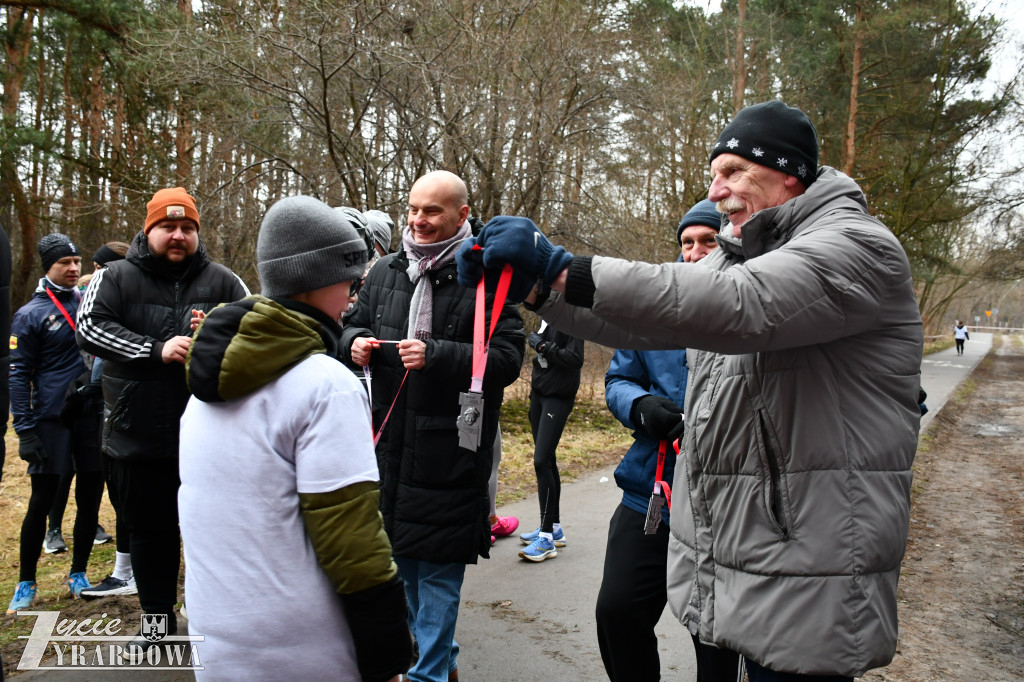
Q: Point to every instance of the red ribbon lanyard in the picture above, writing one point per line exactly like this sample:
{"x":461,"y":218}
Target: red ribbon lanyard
{"x":482,"y":345}
{"x":384,"y":423}
{"x":60,"y":307}
{"x":658,"y":483}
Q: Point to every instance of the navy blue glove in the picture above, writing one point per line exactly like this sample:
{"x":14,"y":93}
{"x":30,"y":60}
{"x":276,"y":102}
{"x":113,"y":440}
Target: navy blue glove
{"x":518,"y":242}
{"x":470,"y":264}
{"x":536,"y":342}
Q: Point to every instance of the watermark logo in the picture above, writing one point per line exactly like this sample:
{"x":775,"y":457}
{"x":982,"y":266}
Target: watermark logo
{"x":154,"y":626}
{"x":96,"y":644}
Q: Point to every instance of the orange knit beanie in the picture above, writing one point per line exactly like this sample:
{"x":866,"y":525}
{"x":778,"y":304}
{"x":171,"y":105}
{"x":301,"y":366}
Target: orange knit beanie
{"x":170,"y":204}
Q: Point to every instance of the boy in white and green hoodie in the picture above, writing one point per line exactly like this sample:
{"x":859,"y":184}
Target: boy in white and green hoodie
{"x":277,"y":443}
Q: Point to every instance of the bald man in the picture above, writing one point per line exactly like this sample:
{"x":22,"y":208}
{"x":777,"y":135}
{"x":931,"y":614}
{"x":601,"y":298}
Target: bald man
{"x":433,"y":492}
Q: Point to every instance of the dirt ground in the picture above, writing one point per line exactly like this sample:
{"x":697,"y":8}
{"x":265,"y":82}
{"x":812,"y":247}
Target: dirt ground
{"x":961,"y":594}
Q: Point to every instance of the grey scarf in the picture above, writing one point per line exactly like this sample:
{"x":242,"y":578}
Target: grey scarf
{"x":423,"y":258}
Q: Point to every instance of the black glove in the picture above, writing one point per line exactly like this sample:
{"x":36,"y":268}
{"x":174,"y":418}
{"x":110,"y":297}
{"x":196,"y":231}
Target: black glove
{"x":659,"y":416}
{"x":30,"y":447}
{"x":537,"y":342}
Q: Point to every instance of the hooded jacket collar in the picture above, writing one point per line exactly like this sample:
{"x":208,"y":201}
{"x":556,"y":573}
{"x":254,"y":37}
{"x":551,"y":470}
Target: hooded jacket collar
{"x":770,"y":228}
{"x":242,"y":346}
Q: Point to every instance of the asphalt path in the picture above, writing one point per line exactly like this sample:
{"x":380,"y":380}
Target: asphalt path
{"x":521,"y":621}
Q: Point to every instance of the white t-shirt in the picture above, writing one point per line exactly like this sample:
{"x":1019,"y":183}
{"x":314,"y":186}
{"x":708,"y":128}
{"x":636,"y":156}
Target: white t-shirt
{"x":253,"y":586}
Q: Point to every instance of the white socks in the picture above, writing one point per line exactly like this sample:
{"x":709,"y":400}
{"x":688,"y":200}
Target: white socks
{"x":123,"y":566}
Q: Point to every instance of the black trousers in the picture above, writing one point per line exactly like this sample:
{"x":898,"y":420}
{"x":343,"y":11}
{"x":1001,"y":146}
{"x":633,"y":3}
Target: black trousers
{"x":148,"y":494}
{"x":756,"y":673}
{"x":547,"y":420}
{"x":630,"y":603}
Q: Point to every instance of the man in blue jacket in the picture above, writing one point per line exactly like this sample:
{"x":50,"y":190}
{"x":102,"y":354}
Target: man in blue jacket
{"x":644,"y":390}
{"x":44,"y":362}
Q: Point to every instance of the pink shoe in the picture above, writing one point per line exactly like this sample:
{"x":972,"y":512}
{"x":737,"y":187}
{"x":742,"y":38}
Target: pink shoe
{"x":504,"y":526}
{"x":492,"y":539}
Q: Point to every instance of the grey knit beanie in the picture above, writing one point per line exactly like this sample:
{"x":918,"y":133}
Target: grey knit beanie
{"x":306,"y":245}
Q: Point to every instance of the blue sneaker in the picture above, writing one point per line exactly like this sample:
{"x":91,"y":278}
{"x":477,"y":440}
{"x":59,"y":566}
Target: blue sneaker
{"x":24,"y":596}
{"x":528,"y":538}
{"x":539,"y":550}
{"x":76,"y":583}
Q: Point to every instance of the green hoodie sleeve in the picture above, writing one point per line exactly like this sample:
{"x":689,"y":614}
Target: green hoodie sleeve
{"x":348,"y":536}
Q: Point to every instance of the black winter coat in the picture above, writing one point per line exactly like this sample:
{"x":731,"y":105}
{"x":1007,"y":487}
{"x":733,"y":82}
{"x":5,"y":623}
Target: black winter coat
{"x":130,"y":309}
{"x":433,"y":493}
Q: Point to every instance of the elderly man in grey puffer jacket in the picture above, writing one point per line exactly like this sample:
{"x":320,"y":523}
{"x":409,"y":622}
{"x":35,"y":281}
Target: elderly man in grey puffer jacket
{"x":793,"y":488}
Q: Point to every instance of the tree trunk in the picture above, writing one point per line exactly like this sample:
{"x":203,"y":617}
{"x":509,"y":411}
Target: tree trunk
{"x":13,"y":198}
{"x":850,"y":150}
{"x":739,"y":80}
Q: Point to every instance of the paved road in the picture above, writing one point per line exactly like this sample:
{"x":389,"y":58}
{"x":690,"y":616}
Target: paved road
{"x":525,"y":621}
{"x":522,"y":621}
{"x":942,"y":372}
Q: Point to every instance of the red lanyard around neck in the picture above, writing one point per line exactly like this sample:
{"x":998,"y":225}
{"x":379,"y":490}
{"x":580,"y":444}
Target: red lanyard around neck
{"x":60,"y":307}
{"x":481,"y":344}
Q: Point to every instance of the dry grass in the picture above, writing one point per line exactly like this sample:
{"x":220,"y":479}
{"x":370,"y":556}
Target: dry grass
{"x":52,"y":569}
{"x":592,"y":439}
{"x":941,"y":343}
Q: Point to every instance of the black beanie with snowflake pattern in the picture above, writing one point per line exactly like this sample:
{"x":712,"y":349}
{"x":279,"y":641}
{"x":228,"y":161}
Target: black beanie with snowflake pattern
{"x":774,"y":135}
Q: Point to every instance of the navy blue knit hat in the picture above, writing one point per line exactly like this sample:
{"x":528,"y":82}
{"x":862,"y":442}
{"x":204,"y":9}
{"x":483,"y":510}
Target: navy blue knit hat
{"x":702,"y":213}
{"x":55,"y":246}
{"x":774,"y":135}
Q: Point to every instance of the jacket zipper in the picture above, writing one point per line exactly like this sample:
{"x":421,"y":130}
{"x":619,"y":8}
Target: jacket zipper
{"x":773,"y":498}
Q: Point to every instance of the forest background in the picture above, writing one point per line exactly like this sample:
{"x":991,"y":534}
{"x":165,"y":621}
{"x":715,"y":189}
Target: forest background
{"x":592,"y":117}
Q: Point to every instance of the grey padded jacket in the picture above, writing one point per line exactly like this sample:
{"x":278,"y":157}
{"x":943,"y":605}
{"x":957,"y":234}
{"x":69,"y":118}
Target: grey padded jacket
{"x":792,"y":497}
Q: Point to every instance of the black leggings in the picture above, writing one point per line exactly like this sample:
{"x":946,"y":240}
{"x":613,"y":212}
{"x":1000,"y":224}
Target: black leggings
{"x":959,"y":346}
{"x":121,"y":536}
{"x":60,"y":500}
{"x":547,"y":420}
{"x":88,"y":493}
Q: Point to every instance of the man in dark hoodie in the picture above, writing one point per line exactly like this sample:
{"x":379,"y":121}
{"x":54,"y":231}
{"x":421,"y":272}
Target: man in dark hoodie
{"x":137,"y":315}
{"x":277,"y":442}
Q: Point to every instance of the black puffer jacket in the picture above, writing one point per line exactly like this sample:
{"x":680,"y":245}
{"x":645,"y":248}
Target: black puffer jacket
{"x":130,"y":308}
{"x":433,"y":493}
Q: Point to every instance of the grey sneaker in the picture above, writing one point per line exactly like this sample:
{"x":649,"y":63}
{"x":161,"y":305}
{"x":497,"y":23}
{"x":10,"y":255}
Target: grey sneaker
{"x":54,"y":542}
{"x":102,"y":536}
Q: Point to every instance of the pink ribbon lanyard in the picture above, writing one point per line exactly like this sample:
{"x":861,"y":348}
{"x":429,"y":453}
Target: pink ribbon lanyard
{"x":658,"y":483}
{"x":482,"y":345}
